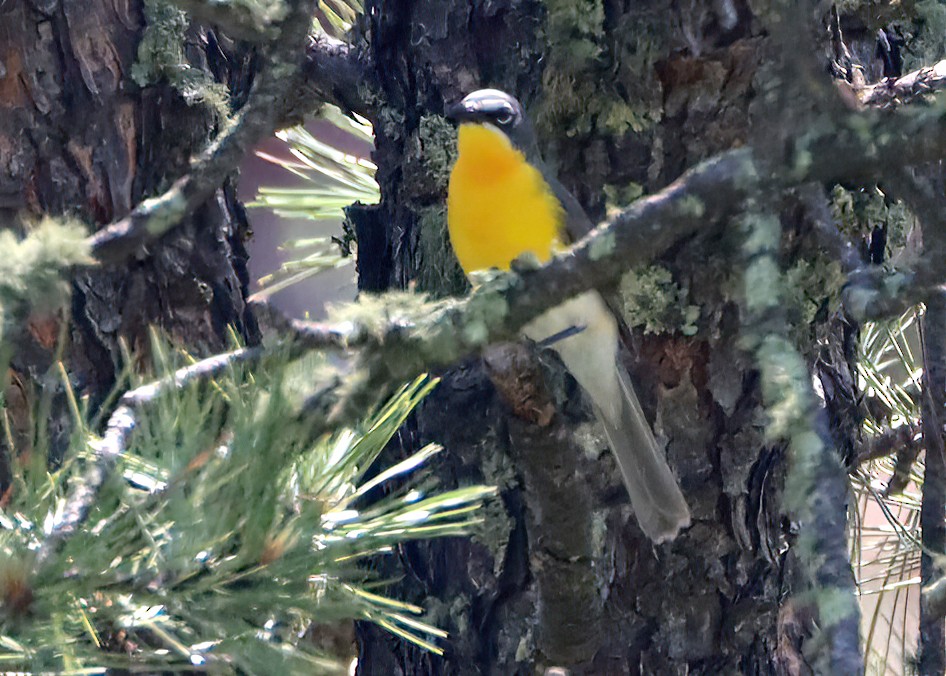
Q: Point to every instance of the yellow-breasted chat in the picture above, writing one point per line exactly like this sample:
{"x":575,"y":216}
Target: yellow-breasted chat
{"x":503,"y":203}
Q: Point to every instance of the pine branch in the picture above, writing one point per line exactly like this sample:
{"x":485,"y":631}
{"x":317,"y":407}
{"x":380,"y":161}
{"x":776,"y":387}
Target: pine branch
{"x":887,"y":442}
{"x":114,"y":442}
{"x":232,"y":530}
{"x":905,"y":89}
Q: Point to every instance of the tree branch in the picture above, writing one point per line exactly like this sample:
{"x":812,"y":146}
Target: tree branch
{"x":816,"y":485}
{"x":904,"y":89}
{"x":107,"y":450}
{"x":154,"y":217}
{"x":335,"y":72}
{"x":881,"y":445}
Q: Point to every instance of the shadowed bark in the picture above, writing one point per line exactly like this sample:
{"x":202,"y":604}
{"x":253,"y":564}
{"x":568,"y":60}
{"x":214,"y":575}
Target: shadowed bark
{"x":78,"y":136}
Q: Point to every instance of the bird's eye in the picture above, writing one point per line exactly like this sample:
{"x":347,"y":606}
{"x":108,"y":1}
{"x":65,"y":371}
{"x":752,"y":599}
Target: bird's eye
{"x":504,"y":118}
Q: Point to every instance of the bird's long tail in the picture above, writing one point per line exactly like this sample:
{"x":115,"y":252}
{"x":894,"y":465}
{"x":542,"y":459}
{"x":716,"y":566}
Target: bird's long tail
{"x":591,"y":354}
{"x":659,"y":506}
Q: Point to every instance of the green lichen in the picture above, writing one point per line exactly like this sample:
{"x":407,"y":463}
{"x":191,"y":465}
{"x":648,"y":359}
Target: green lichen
{"x":857,"y":212}
{"x":803,"y":161}
{"x":493,"y":530}
{"x":652,"y":300}
{"x":762,"y":284}
{"x":747,"y":174}
{"x":602,"y":245}
{"x":525,"y":649}
{"x":162,"y":43}
{"x":589,"y":440}
{"x":928,"y":43}
{"x":485,"y":309}
{"x":437,"y":144}
{"x":850,"y":6}
{"x":376,"y":313}
{"x":429,"y":156}
{"x":599,"y":532}
{"x":762,"y":233}
{"x":811,"y":286}
{"x":762,"y":277}
{"x":808,"y":454}
{"x":835,"y":604}
{"x":164,"y":212}
{"x":785,"y":389}
{"x":438,"y":272}
{"x":261,"y":12}
{"x":619,"y":197}
{"x":599,"y":79}
{"x":573,"y":29}
{"x":453,"y":614}
{"x":31,"y":268}
{"x":390,"y":120}
{"x":161,"y":58}
{"x":475,"y":332}
{"x":382,"y":316}
{"x":33,"y":272}
{"x":691,"y":206}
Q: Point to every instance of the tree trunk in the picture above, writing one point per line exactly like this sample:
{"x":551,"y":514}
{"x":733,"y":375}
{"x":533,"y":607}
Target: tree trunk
{"x":625,"y":96}
{"x":79,"y":137}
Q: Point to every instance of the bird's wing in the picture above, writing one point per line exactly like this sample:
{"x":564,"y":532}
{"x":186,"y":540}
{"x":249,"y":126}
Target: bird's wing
{"x":577,"y":226}
{"x":577,"y":223}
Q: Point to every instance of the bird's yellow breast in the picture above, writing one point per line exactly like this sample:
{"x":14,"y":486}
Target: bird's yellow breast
{"x":498,"y":205}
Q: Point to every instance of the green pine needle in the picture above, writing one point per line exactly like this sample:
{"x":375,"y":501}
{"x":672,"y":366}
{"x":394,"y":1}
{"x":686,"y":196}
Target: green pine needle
{"x":331,"y":180}
{"x":886,"y":557}
{"x":225,"y":535}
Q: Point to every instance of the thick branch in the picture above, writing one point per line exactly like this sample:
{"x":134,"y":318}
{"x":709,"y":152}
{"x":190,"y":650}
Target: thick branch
{"x":258,"y":118}
{"x":816,"y":485}
{"x":334,"y":72}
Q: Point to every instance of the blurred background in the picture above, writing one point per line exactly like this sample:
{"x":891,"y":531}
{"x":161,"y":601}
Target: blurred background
{"x":274,"y":230}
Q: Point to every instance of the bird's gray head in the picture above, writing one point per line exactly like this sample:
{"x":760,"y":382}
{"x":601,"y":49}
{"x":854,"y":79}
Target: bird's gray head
{"x":497,"y":108}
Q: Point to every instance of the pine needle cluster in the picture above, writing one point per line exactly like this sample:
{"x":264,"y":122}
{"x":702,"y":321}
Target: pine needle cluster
{"x":228,"y":539}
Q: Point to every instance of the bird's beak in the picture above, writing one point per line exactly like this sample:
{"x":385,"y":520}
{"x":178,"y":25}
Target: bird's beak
{"x":459,"y":112}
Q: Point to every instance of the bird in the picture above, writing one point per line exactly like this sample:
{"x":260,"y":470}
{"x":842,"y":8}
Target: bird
{"x":504,"y":203}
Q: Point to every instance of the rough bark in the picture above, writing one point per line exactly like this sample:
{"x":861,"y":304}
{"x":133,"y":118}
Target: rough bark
{"x":626,"y":95}
{"x":78,"y":136}
{"x":517,"y":598}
